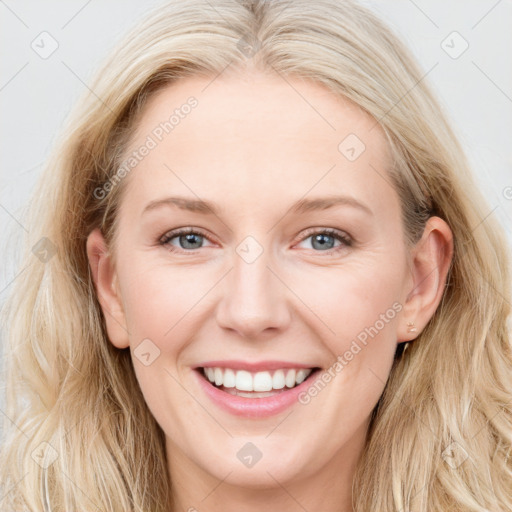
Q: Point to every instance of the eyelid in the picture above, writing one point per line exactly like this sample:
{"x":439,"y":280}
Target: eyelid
{"x":345,"y":239}
{"x":319,"y":230}
{"x":303,"y":234}
{"x":342,"y":236}
{"x":173,"y":233}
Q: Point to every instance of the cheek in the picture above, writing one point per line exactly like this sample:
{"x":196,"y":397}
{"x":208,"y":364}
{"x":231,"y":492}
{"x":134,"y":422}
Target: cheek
{"x":360,"y":306}
{"x":157,"y":298}
{"x":361,"y":296}
{"x":357,"y":300}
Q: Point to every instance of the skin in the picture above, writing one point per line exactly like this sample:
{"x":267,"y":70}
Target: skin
{"x":254,"y":146}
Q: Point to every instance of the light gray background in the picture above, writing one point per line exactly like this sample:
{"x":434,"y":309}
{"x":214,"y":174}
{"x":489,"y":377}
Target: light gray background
{"x":36,"y":94}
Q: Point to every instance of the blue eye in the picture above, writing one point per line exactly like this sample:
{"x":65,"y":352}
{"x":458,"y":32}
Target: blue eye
{"x":190,"y":239}
{"x":325,"y":239}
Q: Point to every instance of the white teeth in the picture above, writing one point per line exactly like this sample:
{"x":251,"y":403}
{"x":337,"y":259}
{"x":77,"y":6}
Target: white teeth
{"x":278,"y":380}
{"x":262,"y":381}
{"x":229,"y":378}
{"x":290,"y":379}
{"x":301,"y":376}
{"x":259,"y":382}
{"x":218,"y":376}
{"x":243,"y":381}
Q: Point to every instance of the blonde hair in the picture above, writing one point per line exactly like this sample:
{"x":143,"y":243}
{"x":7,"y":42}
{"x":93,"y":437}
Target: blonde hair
{"x":69,"y":387}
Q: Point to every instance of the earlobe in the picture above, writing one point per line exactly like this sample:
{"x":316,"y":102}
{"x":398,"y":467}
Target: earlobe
{"x":430,"y":262}
{"x":107,"y":289}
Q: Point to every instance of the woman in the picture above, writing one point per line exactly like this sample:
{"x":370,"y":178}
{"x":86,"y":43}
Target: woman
{"x":264,"y":278}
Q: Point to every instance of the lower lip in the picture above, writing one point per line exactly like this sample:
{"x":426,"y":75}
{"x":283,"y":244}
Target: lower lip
{"x":254,"y":407}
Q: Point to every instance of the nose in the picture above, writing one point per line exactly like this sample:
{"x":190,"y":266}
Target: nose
{"x":255,"y":301}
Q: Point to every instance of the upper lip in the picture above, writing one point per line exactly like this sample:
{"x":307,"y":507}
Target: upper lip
{"x":254,"y":366}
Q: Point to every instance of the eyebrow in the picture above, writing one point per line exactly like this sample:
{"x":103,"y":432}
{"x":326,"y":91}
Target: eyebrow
{"x":302,"y":206}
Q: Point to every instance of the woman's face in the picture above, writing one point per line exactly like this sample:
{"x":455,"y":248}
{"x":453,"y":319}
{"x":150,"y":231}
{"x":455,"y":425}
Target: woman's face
{"x":298,"y":261}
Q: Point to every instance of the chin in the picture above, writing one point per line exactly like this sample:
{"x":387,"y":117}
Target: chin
{"x":260,"y":464}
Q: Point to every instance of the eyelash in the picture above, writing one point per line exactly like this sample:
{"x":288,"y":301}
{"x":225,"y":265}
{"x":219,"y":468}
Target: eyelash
{"x":338,"y":235}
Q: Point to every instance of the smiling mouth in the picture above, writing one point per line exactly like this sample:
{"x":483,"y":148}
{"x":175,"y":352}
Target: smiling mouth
{"x":256,"y":384}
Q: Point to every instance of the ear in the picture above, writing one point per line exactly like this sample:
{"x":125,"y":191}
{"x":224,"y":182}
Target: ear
{"x":105,"y":282}
{"x":429,"y":264}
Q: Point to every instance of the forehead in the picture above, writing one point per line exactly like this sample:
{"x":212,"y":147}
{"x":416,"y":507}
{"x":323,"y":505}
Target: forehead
{"x":258,"y":139}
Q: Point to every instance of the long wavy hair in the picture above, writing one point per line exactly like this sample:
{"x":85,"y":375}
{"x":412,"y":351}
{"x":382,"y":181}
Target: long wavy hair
{"x":78,"y":434}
